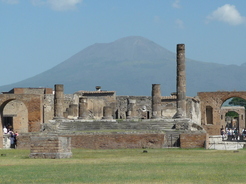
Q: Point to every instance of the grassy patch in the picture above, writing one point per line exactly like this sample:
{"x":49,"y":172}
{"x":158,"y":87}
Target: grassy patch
{"x":126,"y":166}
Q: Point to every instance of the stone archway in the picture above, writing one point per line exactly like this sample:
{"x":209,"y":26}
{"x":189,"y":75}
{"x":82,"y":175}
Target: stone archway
{"x":212,"y":102}
{"x":241,"y":116}
{"x":33,"y":105}
{"x":15,"y":114}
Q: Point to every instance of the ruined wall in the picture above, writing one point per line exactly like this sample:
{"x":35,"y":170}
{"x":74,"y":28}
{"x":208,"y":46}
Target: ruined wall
{"x":33,"y":105}
{"x":193,"y":109}
{"x":211,"y":103}
{"x":168,"y":106}
{"x":48,"y":108}
{"x":37,"y":91}
{"x":18,"y":111}
{"x":103,"y":141}
{"x":24,"y":140}
{"x":118,"y":141}
{"x":143,"y":106}
{"x":193,"y":140}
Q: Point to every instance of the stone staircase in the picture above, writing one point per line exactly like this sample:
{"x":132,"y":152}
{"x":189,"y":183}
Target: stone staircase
{"x":165,"y":126}
{"x":114,"y":125}
{"x":216,"y":142}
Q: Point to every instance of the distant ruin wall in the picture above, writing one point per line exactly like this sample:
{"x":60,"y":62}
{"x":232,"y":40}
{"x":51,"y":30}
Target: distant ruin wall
{"x":143,"y":106}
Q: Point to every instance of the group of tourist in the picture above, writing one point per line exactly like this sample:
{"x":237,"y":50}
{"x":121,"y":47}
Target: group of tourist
{"x":232,"y":133}
{"x":12,"y":136}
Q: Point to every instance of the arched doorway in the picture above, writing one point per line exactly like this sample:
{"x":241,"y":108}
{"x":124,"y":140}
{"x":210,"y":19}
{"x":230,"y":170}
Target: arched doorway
{"x":233,"y":113}
{"x":15,"y":116}
{"x":33,"y":110}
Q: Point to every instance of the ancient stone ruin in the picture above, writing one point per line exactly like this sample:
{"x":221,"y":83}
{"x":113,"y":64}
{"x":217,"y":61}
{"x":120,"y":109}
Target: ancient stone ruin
{"x":50,"y":122}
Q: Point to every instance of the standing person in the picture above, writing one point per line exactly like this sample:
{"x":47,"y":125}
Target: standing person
{"x":12,"y":139}
{"x":222,"y":132}
{"x":236,"y":134}
{"x":15,"y":139}
{"x":5,"y":130}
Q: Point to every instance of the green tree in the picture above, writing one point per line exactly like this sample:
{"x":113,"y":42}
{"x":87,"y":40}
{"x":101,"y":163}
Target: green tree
{"x":236,"y":101}
{"x":232,"y":114}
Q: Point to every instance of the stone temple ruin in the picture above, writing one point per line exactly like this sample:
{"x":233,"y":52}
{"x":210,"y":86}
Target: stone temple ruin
{"x":54,"y":121}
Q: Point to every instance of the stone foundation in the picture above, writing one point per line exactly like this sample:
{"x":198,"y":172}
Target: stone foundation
{"x":102,"y":141}
{"x":50,"y":146}
{"x":118,"y":141}
{"x":193,"y":140}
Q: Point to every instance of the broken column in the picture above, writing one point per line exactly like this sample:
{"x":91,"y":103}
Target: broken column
{"x":156,"y":101}
{"x":107,"y":112}
{"x":83,"y":111}
{"x":73,"y":110}
{"x":181,"y":82}
{"x":131,"y":109}
{"x":58,"y":102}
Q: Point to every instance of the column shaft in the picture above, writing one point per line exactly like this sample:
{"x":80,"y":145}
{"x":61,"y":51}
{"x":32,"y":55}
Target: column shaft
{"x":58,"y":101}
{"x":181,"y":82}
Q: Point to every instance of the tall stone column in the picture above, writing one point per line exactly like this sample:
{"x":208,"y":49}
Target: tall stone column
{"x":58,"y":101}
{"x":131,"y":109}
{"x":83,"y":111}
{"x":156,"y":101}
{"x":181,"y":82}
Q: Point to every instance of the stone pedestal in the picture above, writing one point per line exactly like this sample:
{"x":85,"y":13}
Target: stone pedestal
{"x":50,"y":146}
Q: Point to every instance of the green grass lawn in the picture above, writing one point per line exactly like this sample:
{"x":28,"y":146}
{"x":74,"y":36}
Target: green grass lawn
{"x":126,"y":166}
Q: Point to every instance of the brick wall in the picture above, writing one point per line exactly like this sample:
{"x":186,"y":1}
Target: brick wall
{"x":116,"y":141}
{"x":50,"y":146}
{"x":23,"y":141}
{"x":104,"y":141}
{"x":193,"y":140}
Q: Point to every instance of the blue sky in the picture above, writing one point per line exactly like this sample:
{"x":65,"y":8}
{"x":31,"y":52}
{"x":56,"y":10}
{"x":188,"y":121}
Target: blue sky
{"x":36,"y":35}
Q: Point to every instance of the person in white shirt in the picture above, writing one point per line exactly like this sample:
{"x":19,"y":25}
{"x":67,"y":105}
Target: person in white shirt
{"x":5,"y":131}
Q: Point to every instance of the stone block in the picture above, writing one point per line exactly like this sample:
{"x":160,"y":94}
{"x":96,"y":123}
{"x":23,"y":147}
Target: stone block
{"x":50,"y":146}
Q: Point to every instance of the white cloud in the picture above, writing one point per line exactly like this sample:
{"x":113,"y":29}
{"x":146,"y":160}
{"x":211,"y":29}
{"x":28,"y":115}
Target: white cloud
{"x":176,"y":4}
{"x":58,"y":5}
{"x":180,"y":23}
{"x":11,"y":1}
{"x":228,"y":14}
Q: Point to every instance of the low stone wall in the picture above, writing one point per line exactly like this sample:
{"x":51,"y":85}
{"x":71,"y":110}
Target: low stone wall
{"x":117,"y":141}
{"x":50,"y":146}
{"x":193,"y":140}
{"x":122,"y":140}
{"x":105,"y":141}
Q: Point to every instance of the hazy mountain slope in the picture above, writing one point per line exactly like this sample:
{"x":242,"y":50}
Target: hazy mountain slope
{"x":130,"y":66}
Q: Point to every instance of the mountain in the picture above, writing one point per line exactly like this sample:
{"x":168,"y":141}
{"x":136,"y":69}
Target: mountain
{"x":130,"y":66}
